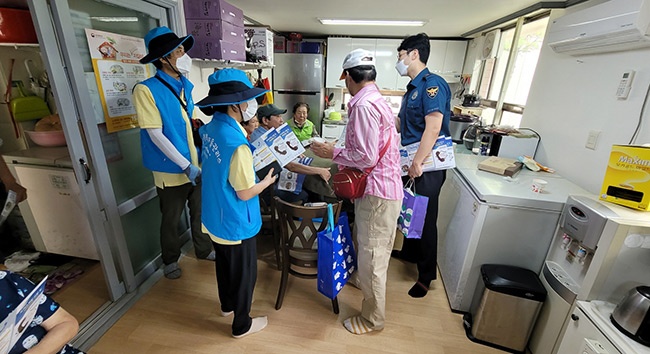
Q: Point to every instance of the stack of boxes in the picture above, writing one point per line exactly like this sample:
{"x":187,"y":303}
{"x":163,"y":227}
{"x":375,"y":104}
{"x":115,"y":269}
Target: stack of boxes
{"x":218,"y":30}
{"x":261,"y":40}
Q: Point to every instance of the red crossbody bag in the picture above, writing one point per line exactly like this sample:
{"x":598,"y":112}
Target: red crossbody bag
{"x":350,"y":183}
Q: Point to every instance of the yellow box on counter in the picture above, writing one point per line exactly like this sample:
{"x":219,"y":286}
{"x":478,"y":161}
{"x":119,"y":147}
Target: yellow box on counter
{"x":627,"y":178}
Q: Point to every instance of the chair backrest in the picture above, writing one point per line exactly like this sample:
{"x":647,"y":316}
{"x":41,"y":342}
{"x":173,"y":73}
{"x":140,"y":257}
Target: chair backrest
{"x":299,"y":227}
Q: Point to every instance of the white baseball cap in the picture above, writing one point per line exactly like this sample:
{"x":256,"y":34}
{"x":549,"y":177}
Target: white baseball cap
{"x":357,"y":57}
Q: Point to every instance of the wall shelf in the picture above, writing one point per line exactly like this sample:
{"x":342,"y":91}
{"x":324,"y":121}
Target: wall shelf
{"x":220,"y":64}
{"x":19,"y":45}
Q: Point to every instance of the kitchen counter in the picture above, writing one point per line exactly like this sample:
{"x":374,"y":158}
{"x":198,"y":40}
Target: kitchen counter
{"x":493,"y":188}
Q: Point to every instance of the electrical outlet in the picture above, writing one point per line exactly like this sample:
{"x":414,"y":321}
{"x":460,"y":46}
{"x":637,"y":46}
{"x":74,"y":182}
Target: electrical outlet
{"x":592,"y":139}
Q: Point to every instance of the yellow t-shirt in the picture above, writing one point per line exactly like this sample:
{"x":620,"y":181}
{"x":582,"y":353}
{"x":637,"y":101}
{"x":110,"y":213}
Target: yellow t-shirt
{"x":241,"y":177}
{"x":149,"y":118}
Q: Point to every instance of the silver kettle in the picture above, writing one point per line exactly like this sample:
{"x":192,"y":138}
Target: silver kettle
{"x":632,"y":315}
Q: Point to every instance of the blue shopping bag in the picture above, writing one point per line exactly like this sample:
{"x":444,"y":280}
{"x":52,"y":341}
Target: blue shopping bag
{"x":336,"y":257}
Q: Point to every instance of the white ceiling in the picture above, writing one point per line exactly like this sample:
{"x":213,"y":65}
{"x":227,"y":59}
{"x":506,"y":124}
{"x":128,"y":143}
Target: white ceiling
{"x":446,"y":18}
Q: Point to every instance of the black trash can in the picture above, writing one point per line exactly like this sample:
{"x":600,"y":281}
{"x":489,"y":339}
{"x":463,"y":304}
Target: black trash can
{"x":505,"y":307}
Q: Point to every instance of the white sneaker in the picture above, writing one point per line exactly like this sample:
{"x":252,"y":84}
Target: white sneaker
{"x":258,"y":324}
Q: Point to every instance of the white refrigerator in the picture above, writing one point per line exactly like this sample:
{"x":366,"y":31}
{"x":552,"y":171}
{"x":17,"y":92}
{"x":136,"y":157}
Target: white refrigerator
{"x":486,"y":218}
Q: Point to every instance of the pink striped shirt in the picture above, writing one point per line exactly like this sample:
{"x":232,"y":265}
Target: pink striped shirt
{"x":370,"y":125}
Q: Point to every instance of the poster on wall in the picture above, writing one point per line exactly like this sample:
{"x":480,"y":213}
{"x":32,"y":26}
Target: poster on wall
{"x":117,"y":69}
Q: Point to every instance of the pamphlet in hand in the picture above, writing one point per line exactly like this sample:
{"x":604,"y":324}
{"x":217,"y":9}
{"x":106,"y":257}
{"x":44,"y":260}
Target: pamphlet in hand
{"x":291,"y":181}
{"x":20,"y":318}
{"x":441,"y":157}
{"x":280,"y":145}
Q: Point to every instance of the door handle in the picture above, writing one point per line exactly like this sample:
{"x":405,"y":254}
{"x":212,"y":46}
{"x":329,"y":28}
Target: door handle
{"x":86,"y":169}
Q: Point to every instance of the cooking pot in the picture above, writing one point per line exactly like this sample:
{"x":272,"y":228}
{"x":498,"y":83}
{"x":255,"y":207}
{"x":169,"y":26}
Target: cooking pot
{"x":471,"y":100}
{"x":457,"y":126}
{"x":632,"y":315}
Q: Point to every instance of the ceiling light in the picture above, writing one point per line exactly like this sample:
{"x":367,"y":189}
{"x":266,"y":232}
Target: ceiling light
{"x":114,"y":19}
{"x":348,"y":22}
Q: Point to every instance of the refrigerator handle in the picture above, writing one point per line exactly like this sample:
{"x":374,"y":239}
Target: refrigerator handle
{"x":86,"y":169}
{"x":294,"y":92}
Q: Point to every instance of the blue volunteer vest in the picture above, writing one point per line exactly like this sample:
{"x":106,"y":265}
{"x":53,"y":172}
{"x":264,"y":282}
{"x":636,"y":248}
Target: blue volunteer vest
{"x":174,"y":126}
{"x":223,"y":213}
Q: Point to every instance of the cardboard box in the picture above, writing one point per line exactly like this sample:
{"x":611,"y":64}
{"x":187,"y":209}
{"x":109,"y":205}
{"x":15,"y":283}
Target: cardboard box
{"x":261,"y":41}
{"x":627,"y":178}
{"x":217,"y":49}
{"x":279,"y":44}
{"x":16,"y":26}
{"x":310,"y":47}
{"x":215,"y":30}
{"x":500,"y":166}
{"x":458,"y":110}
{"x":293,"y":46}
{"x":213,"y":10}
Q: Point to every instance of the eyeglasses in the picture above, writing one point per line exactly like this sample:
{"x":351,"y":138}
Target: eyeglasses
{"x":403,"y":53}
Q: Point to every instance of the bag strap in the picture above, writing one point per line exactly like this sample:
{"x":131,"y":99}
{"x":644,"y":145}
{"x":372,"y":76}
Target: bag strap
{"x":189,"y":116}
{"x":410,"y":184}
{"x":381,"y":154}
{"x":330,"y":217}
{"x":8,"y":97}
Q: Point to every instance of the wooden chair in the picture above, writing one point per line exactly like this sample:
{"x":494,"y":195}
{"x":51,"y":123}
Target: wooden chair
{"x":270,"y":225}
{"x":299,"y":242}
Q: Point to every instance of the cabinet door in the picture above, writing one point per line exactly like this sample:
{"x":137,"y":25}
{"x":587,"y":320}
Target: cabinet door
{"x":436,"y":62}
{"x":337,"y":49}
{"x":454,"y":60}
{"x":332,"y":132}
{"x":580,"y":330}
{"x":386,"y":57}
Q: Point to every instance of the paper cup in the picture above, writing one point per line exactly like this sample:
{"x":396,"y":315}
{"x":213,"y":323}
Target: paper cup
{"x":538,"y":185}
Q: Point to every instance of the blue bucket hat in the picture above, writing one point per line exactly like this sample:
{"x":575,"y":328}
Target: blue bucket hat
{"x":161,"y":41}
{"x":229,"y":86}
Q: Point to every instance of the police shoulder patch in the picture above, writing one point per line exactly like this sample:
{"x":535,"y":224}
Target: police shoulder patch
{"x":432,"y":91}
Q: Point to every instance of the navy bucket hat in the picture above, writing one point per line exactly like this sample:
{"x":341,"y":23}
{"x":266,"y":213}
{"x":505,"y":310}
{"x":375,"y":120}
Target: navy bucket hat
{"x":229,"y":86}
{"x":161,"y":41}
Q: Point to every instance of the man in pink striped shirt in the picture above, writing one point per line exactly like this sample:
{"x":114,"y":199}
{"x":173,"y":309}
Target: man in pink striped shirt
{"x":370,"y":127}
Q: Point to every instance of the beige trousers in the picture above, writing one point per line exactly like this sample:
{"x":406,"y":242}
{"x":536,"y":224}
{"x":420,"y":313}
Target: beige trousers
{"x":375,"y":220}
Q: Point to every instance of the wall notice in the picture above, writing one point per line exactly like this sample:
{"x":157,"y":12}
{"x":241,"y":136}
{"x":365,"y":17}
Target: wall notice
{"x":117,"y":69}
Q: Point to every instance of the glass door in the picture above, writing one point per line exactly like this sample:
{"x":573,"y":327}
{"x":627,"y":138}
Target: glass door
{"x":118,"y":192}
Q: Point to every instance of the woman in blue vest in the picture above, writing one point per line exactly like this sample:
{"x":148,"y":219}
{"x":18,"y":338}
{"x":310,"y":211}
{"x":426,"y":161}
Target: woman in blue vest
{"x":231,"y":208}
{"x":165,"y":110}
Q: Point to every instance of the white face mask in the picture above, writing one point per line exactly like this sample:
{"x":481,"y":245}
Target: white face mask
{"x":402,"y":68}
{"x":250,"y":112}
{"x":184,"y":64}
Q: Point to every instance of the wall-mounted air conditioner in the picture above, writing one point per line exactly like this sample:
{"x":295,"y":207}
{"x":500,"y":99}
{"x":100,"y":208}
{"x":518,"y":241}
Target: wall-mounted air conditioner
{"x":615,"y":25}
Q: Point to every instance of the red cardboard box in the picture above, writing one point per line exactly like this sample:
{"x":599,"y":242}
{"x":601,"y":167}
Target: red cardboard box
{"x":279,"y":44}
{"x":213,"y":10}
{"x":293,"y":47}
{"x":215,"y":29}
{"x":16,"y":26}
{"x":217,"y":49}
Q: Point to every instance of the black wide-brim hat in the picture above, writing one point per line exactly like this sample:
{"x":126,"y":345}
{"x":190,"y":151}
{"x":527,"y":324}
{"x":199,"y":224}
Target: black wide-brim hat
{"x":229,"y":86}
{"x":161,"y":41}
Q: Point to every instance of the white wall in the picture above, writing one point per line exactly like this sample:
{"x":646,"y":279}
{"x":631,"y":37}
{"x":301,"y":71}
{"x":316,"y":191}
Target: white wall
{"x":571,"y":96}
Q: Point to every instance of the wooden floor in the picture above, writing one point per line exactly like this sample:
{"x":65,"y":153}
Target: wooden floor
{"x":87,"y":294}
{"x":182,"y":316}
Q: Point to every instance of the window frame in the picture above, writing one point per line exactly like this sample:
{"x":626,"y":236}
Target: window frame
{"x":500,"y":105}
